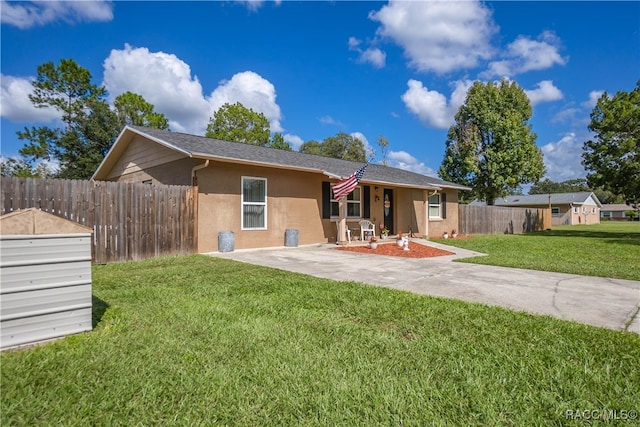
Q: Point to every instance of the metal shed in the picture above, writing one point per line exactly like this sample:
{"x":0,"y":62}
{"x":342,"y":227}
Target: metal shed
{"x":45,"y":278}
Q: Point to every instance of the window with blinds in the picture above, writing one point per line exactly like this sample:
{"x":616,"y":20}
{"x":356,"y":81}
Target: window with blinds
{"x":434,"y":206}
{"x":254,"y":203}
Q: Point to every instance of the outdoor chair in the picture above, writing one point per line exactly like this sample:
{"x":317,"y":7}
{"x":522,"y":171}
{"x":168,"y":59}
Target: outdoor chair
{"x":367,"y":228}
{"x":346,"y":230}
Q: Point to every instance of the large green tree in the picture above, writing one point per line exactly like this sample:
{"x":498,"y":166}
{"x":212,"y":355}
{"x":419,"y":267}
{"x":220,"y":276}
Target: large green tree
{"x":491,"y":147}
{"x":311,"y":147}
{"x":340,"y":146}
{"x":547,"y":186}
{"x":133,"y":109}
{"x":613,"y":156}
{"x":90,"y":127}
{"x":236,"y":123}
{"x":21,"y":168}
{"x":278,"y":142}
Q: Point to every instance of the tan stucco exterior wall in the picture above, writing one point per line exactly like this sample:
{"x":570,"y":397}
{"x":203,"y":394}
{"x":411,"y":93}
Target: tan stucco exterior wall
{"x":586,"y":215}
{"x":567,"y":215}
{"x":410,"y":212}
{"x":437,"y":227}
{"x":294,"y":201}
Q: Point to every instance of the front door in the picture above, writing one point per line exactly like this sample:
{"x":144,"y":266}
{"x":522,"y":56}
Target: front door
{"x":388,"y":210}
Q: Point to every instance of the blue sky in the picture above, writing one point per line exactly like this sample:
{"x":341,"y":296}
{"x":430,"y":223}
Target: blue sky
{"x":397,"y":69}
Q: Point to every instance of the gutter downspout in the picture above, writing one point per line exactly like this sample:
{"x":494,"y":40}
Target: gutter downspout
{"x":194,"y":179}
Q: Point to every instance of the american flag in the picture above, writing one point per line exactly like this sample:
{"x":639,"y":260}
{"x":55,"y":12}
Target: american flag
{"x":347,"y":185}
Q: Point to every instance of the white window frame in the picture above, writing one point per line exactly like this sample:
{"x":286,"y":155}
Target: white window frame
{"x":435,"y":205}
{"x":555,"y":212}
{"x":243,"y":203}
{"x":349,"y":202}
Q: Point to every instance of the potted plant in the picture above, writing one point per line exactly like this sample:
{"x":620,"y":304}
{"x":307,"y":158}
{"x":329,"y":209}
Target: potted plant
{"x":454,"y":234}
{"x":384,"y":231}
{"x":445,"y":235}
{"x":400,"y":241}
{"x":373,"y":242}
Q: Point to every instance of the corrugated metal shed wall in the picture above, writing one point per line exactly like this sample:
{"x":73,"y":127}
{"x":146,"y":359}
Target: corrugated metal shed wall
{"x":45,"y":287}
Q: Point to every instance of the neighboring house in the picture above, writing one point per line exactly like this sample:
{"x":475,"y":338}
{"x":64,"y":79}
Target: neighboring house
{"x":566,"y":208}
{"x":616,"y":212}
{"x":259,"y":192}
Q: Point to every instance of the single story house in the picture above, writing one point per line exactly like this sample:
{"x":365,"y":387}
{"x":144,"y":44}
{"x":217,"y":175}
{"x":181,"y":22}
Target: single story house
{"x":616,"y":212}
{"x":566,"y":208}
{"x":259,"y":192}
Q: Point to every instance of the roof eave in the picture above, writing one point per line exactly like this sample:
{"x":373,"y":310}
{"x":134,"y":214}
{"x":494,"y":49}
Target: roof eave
{"x":205,"y":156}
{"x":402,"y":185}
{"x":121,"y":143}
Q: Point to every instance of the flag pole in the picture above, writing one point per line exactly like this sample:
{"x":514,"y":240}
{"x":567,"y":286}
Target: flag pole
{"x":342,"y":221}
{"x":340,"y":191}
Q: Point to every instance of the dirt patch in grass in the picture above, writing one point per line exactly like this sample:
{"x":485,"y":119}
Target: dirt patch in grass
{"x":415,"y":250}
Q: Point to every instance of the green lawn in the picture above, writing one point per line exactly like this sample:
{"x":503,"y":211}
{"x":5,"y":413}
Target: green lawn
{"x":200,"y":341}
{"x":610,"y":249}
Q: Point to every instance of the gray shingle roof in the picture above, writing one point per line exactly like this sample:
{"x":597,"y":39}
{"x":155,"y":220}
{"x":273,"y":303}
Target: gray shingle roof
{"x":617,"y":207}
{"x":543,"y":199}
{"x":202,"y":147}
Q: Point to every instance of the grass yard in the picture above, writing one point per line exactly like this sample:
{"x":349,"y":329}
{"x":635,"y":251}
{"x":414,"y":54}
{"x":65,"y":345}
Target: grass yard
{"x":610,"y":249}
{"x":200,"y":341}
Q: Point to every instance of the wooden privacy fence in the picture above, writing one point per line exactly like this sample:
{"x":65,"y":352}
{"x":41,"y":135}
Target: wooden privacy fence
{"x":129,"y":221}
{"x":502,"y":220}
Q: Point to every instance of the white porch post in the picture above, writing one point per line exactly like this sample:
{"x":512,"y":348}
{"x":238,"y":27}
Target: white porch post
{"x":342,"y":221}
{"x":425,"y":196}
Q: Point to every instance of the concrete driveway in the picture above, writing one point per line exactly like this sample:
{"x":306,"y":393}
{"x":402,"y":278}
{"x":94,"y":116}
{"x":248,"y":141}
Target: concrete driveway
{"x":609,"y":303}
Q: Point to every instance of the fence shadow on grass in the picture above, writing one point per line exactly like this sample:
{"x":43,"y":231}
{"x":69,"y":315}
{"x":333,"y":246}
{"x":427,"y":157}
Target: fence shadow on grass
{"x":99,"y":308}
{"x":613,"y":237}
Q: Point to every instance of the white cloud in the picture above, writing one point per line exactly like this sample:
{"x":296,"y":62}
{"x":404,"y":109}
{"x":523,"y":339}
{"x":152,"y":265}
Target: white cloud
{"x":253,"y":91}
{"x":328,"y":120}
{"x":545,"y":92}
{"x":578,"y":116}
{"x":38,"y":13}
{"x":166,"y":81}
{"x":524,"y":55}
{"x":405,"y":161}
{"x":354,"y":43}
{"x":294,"y":140}
{"x":563,"y":158}
{"x":438,"y":36}
{"x":15,"y":104}
{"x":254,"y":5}
{"x":431,"y":106}
{"x":371,"y":55}
{"x":162,"y":79}
{"x":361,"y":137}
{"x":567,"y":115}
{"x":594,"y":95}
{"x":374,"y":56}
{"x":368,"y":149}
